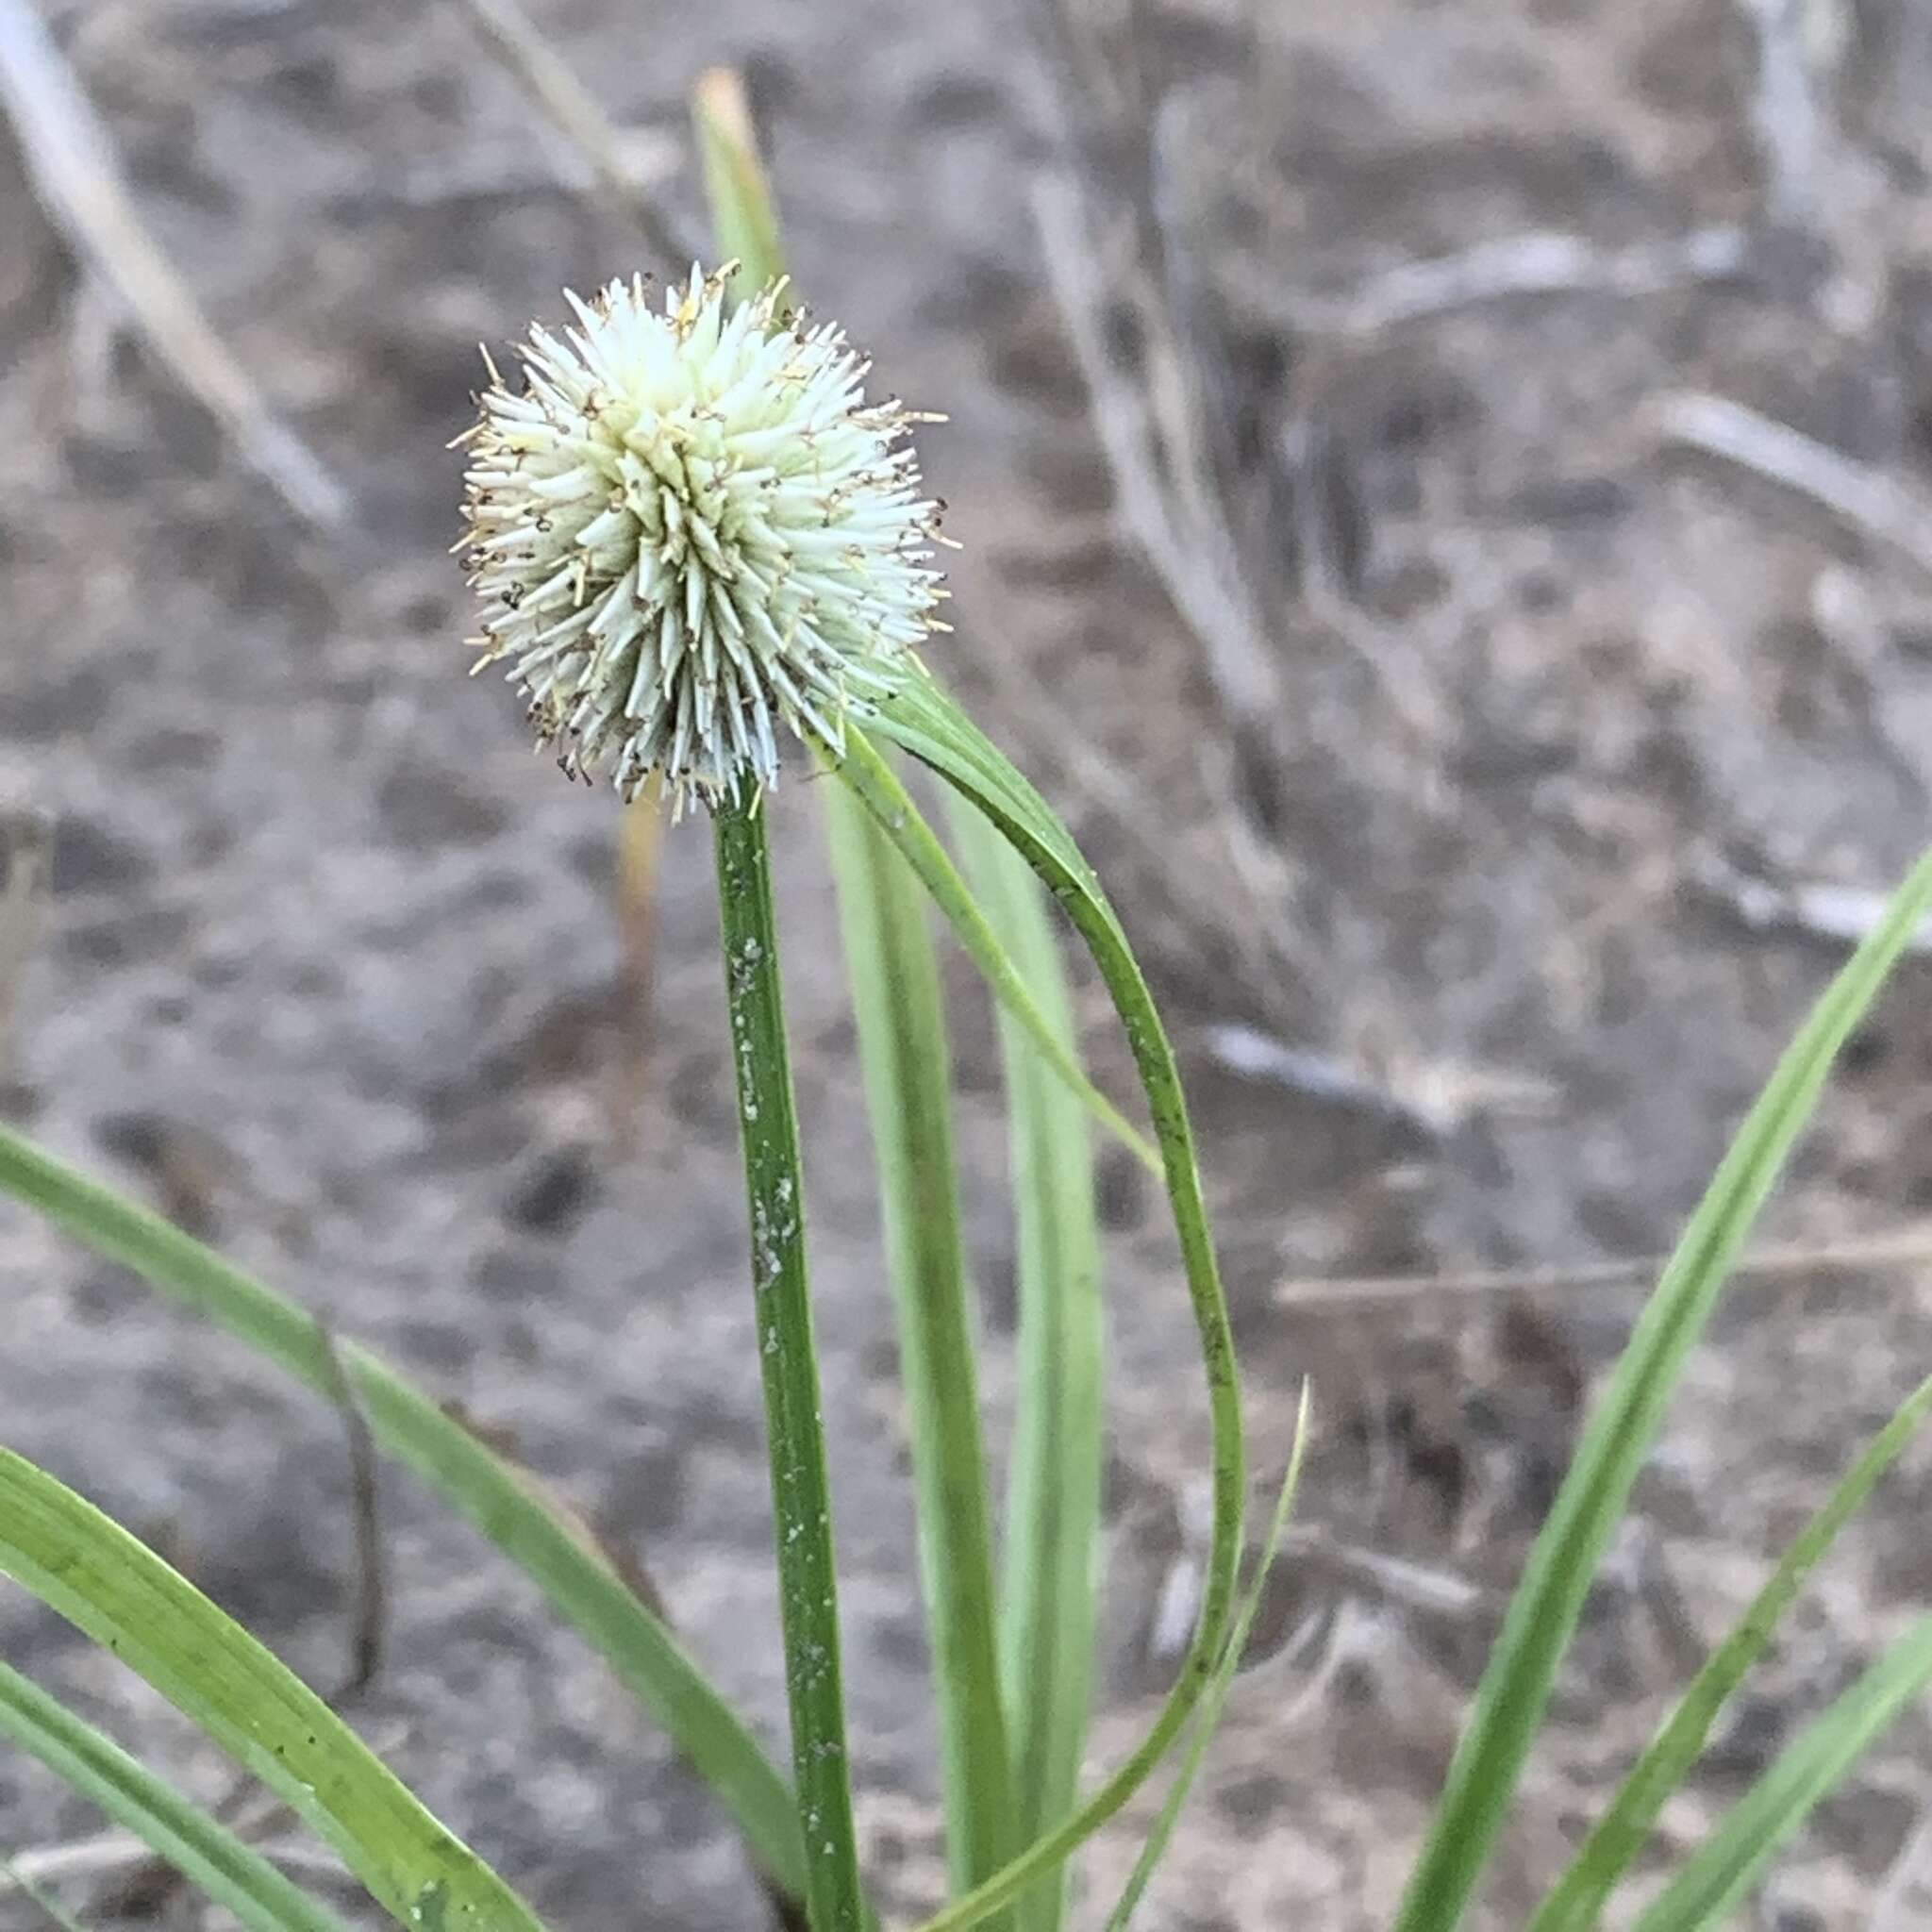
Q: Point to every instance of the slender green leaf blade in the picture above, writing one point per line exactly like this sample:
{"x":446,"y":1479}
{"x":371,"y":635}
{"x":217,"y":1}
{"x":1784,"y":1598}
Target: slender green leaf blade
{"x":489,"y":1491}
{"x":880,"y":788}
{"x":1718,"y":1874}
{"x":904,"y":1054}
{"x":1543,"y":1612}
{"x":1577,"y":1898}
{"x":743,"y":210}
{"x":1048,"y":1613}
{"x":50,"y":1908}
{"x":204,"y":1851}
{"x":111,"y":1586}
{"x":921,"y":719}
{"x":1215,"y":1703}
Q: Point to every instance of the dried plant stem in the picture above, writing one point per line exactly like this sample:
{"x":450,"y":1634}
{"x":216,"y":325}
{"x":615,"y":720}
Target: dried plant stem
{"x":77,"y":178}
{"x":801,"y":1498}
{"x":1871,"y":503}
{"x":1898,"y":1250}
{"x":514,"y":38}
{"x":640,"y":851}
{"x":118,"y":1854}
{"x":26,"y":846}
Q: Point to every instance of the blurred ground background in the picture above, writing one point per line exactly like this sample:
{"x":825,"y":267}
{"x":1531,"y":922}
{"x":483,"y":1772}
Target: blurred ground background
{"x":1488,"y":769}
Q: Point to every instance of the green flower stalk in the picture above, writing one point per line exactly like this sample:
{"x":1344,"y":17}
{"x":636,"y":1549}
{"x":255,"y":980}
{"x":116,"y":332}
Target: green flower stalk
{"x":691,"y":535}
{"x":801,"y":1494}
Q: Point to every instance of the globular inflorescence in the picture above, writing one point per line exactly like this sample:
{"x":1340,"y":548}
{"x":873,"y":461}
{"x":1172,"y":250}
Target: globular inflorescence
{"x":689,"y":529}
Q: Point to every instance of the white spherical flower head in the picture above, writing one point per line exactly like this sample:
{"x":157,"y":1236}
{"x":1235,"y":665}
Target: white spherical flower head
{"x":689,"y":528}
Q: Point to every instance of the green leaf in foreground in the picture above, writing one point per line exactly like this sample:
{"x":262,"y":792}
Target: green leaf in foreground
{"x":884,"y":794}
{"x":1577,"y":1898}
{"x":1543,"y":1612}
{"x":115,"y":1588}
{"x":204,"y":1851}
{"x":1215,"y":1703}
{"x":1717,"y":1876}
{"x":920,"y":718}
{"x":1048,"y":1609}
{"x":491,"y":1491}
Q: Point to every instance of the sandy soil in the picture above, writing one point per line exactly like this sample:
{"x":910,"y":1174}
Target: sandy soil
{"x":330,"y":971}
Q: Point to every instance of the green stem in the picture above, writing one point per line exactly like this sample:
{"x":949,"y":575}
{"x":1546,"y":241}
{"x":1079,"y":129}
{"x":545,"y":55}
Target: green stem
{"x":902,"y":1041}
{"x":801,"y":1497}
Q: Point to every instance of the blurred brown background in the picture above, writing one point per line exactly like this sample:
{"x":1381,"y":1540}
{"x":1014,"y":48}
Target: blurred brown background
{"x":1446,"y":493}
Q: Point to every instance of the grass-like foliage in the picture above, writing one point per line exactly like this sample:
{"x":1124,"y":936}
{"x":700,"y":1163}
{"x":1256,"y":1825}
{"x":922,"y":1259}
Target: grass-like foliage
{"x":204,"y":1851}
{"x":122,"y":1596}
{"x":1547,"y":1603}
{"x":1008,"y":1581}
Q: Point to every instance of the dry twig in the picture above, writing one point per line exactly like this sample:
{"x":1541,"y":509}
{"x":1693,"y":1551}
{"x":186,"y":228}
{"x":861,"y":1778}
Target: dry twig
{"x":1901,"y":1250}
{"x":1843,"y":914}
{"x":1432,"y":1588}
{"x":1872,"y":504}
{"x":24,"y":853}
{"x":1539,"y":262}
{"x":116,"y":1853}
{"x":502,"y":171}
{"x":1432,"y":1098}
{"x":1165,"y":500}
{"x":372,"y":1593}
{"x":1797,"y":46}
{"x":509,"y":34}
{"x":72,"y":164}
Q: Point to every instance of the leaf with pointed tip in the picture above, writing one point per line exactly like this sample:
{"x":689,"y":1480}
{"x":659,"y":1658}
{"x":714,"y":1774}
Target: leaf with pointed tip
{"x":1215,"y":1703}
{"x":493,"y":1493}
{"x":1577,"y":1898}
{"x":114,"y":1588}
{"x":1717,"y":1876}
{"x":924,"y":722}
{"x":1542,"y":1613}
{"x":204,"y":1851}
